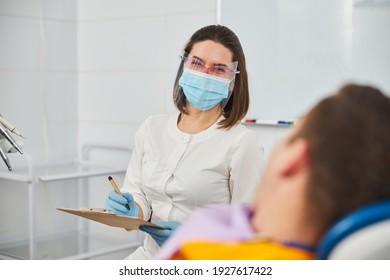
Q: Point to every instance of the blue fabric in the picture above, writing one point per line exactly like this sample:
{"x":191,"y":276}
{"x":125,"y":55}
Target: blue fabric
{"x":358,"y":219}
{"x":160,"y":235}
{"x":117,"y":203}
{"x":202,"y":90}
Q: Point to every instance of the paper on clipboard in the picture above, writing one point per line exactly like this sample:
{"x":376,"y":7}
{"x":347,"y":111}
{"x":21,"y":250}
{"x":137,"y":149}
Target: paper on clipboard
{"x":108,"y":218}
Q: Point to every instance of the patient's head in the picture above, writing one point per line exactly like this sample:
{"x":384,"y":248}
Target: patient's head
{"x":336,"y":159}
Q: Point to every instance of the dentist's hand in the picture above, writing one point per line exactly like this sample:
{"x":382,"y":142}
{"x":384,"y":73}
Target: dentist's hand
{"x":160,"y":235}
{"x":116,"y":202}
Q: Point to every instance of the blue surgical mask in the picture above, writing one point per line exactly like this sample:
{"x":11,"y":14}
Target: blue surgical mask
{"x":202,"y":90}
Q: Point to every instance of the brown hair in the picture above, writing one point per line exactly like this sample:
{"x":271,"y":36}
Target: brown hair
{"x":349,"y":152}
{"x":238,"y":104}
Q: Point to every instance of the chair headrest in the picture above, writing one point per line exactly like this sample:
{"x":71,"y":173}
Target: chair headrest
{"x":352,"y":222}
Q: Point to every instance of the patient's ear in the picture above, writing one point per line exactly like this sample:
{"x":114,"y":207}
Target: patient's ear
{"x":296,"y":158}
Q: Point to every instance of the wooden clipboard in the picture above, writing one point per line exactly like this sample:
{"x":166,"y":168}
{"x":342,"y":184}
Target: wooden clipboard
{"x":108,"y":218}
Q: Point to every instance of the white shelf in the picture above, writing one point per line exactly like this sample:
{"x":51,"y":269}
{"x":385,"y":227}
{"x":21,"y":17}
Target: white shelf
{"x":59,"y":171}
{"x":69,"y":245}
{"x":80,"y":244}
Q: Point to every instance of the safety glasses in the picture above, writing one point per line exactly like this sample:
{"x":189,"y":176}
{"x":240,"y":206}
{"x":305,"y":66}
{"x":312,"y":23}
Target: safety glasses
{"x":223,"y":70}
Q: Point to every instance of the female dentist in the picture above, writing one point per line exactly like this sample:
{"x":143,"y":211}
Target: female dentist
{"x":201,"y":155}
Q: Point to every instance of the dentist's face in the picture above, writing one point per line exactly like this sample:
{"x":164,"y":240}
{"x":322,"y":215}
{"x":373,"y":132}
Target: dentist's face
{"x":211,"y":53}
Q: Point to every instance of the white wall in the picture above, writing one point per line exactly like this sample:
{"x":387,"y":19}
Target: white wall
{"x":370,"y":54}
{"x":128,"y":57}
{"x":38,"y":94}
{"x":74,"y":72}
{"x":300,"y":51}
{"x":38,"y":79}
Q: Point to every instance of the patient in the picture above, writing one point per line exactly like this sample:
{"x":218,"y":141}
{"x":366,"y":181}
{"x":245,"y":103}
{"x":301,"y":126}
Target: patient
{"x":335,"y":160}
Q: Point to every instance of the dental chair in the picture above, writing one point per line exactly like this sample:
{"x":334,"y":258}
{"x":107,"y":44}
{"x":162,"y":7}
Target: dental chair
{"x":363,"y":234}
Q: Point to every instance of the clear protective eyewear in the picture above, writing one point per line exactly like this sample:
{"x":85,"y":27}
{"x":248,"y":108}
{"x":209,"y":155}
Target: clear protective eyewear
{"x":223,"y":70}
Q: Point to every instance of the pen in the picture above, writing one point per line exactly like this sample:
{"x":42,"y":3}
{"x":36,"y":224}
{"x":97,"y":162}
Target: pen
{"x":274,"y":122}
{"x":117,"y":190}
{"x":9,"y":126}
{"x":286,"y":122}
{"x":9,"y":138}
{"x":5,"y":159}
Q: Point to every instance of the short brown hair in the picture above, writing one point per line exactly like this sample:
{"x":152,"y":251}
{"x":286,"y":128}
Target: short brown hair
{"x":349,"y":152}
{"x":238,"y":104}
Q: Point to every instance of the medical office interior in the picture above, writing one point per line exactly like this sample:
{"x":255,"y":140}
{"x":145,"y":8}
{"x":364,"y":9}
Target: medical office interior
{"x":77,"y":78}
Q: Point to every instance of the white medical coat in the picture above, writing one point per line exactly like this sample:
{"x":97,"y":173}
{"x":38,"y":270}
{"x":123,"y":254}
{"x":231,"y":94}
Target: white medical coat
{"x":171,"y":172}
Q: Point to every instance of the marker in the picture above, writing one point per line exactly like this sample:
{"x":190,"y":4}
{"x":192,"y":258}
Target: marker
{"x":274,"y":122}
{"x":10,"y":127}
{"x":269,"y":122}
{"x":285,"y":122}
{"x":117,"y":190}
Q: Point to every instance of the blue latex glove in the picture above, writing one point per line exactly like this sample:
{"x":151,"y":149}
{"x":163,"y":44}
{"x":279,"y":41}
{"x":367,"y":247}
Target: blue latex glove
{"x":116,"y":202}
{"x":160,"y":235}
